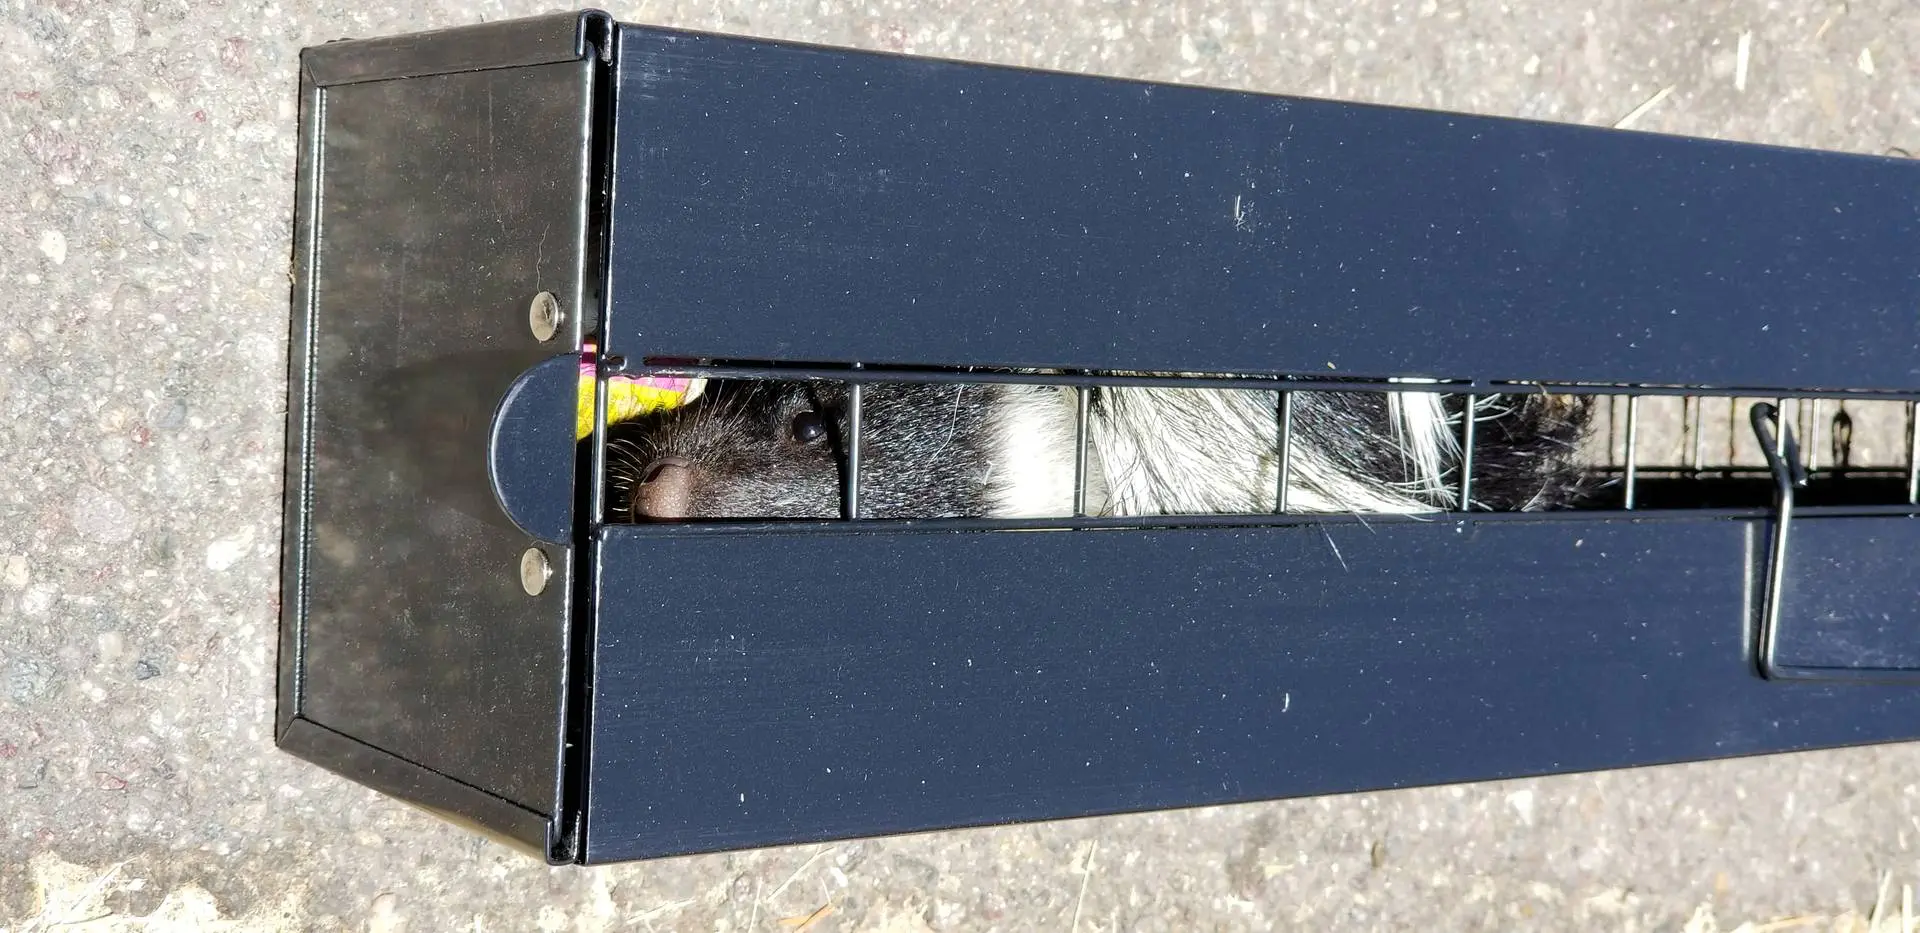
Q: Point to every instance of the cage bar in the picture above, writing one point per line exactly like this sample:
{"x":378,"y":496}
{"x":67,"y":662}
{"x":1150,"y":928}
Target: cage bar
{"x":1632,"y":453}
{"x":1778,"y":416}
{"x":1733,"y":418}
{"x":1284,"y":456}
{"x":855,"y":429}
{"x":1809,"y":434}
{"x":802,"y":372}
{"x":1689,"y":430}
{"x":1083,"y":404}
{"x":1467,"y":431}
{"x":1913,"y":452}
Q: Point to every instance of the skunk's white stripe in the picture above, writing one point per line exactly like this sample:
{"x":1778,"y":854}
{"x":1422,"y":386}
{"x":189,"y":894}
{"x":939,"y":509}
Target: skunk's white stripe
{"x":1165,"y":451}
{"x":1035,"y":453}
{"x":1427,"y":443}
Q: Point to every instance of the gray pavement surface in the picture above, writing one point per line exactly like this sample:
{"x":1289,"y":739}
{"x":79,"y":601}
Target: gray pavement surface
{"x":148,"y":153}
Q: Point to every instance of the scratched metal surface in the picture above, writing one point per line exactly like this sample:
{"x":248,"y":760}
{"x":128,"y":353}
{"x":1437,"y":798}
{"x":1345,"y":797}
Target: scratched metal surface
{"x":145,"y":254}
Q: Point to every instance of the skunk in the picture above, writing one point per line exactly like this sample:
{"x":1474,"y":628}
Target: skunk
{"x":773,"y":450}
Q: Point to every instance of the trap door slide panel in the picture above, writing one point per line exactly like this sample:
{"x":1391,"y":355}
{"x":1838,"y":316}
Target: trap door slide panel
{"x":775,"y":201}
{"x":444,"y":183}
{"x":768,"y":688}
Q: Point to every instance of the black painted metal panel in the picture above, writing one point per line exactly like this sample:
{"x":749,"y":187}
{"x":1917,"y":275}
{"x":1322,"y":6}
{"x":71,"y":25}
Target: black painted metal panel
{"x":1848,"y":603}
{"x":771,"y":688}
{"x":777,"y":201}
{"x":442,"y":204}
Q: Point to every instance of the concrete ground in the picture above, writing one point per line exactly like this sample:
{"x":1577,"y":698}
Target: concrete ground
{"x":144,"y":241}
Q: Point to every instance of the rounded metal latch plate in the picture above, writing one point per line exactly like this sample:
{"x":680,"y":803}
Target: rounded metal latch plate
{"x":535,"y":571}
{"x":544,"y":316}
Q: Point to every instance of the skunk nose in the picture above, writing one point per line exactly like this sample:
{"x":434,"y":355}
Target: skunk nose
{"x":666,"y":489}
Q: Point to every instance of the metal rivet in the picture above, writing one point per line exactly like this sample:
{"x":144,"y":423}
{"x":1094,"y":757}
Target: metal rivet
{"x":544,"y":316}
{"x":535,"y":571}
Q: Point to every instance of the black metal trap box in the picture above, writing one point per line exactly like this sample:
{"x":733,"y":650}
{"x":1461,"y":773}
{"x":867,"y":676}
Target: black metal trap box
{"x":462,"y":631}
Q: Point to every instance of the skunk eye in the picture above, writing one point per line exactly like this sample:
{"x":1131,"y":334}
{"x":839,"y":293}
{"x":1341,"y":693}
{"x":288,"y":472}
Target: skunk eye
{"x":808,"y":426}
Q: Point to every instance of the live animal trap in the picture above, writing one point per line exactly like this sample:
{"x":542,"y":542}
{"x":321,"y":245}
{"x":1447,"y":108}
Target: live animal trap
{"x":474,"y":623}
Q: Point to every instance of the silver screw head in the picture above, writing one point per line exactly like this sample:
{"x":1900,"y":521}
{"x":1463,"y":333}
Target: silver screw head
{"x":544,"y":316}
{"x":535,"y":571}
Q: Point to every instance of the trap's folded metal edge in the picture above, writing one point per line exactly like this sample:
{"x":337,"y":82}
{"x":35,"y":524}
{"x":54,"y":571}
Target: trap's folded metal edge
{"x":516,"y":43}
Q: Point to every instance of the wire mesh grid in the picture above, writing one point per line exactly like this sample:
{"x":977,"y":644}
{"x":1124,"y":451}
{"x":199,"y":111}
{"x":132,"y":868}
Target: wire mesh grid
{"x":1647,"y":449}
{"x":1700,"y":450}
